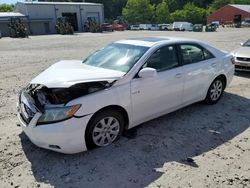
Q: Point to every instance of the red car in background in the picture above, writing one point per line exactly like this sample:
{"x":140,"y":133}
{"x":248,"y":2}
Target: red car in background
{"x":112,"y":27}
{"x":118,"y":27}
{"x":107,"y":27}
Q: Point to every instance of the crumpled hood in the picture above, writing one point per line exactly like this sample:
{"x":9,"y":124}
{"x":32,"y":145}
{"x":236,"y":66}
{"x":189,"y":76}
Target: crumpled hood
{"x":70,"y":72}
{"x":242,"y":52}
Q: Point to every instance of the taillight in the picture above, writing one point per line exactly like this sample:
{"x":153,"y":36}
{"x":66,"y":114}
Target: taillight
{"x":232,"y":60}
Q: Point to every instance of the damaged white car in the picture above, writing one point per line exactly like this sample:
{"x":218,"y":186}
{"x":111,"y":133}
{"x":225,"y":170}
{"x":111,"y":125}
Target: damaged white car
{"x":76,"y":105}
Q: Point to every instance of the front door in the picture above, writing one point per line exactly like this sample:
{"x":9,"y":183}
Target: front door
{"x":152,"y":97}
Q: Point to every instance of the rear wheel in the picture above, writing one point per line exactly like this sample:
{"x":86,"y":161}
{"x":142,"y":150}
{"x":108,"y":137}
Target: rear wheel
{"x":104,"y":129}
{"x":215,"y":91}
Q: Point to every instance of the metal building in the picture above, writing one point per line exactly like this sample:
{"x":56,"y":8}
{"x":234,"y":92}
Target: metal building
{"x":40,"y":17}
{"x":5,"y":20}
{"x":228,"y":13}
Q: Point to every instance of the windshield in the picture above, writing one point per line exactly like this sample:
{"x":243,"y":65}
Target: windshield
{"x":247,"y":43}
{"x":120,"y":57}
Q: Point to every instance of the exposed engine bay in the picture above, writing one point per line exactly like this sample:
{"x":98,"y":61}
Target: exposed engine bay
{"x":44,"y":97}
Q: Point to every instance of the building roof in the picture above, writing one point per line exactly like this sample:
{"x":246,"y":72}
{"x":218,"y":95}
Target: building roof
{"x":5,"y":16}
{"x":245,"y":8}
{"x":57,"y":3}
{"x":11,"y":14}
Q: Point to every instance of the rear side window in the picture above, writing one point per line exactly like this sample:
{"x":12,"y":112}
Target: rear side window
{"x":207,"y":54}
{"x":194,"y":54}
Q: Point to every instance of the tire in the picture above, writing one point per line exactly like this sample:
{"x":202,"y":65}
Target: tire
{"x":215,"y":91}
{"x":99,"y":133}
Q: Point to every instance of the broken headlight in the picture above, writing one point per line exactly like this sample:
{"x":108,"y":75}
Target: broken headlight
{"x":53,"y":115}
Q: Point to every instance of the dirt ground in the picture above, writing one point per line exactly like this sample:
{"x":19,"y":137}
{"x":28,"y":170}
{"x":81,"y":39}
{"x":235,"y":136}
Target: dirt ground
{"x":198,"y":146}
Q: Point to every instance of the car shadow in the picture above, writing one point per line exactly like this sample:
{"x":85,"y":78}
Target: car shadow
{"x":135,"y":161}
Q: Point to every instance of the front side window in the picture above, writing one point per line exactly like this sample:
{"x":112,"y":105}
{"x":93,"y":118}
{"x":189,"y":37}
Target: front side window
{"x":193,"y":54}
{"x":163,"y":59}
{"x":116,"y":56}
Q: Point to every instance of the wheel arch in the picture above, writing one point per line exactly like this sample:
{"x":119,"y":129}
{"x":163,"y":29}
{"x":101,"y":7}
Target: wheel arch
{"x":224,"y":78}
{"x":118,"y":108}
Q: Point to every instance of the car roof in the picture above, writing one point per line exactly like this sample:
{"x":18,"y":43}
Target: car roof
{"x":152,"y":41}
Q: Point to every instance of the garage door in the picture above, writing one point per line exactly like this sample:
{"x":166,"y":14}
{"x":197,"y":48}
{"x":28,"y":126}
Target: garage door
{"x":94,"y":16}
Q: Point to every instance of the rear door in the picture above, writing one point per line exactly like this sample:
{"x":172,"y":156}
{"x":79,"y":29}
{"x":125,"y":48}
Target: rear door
{"x":199,"y":67}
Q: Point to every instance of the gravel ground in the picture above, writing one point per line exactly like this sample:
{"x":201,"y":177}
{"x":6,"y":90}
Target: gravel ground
{"x":198,"y":146}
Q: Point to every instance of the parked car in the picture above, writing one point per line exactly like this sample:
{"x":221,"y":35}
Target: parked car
{"x":0,"y":34}
{"x":76,"y":105}
{"x":165,"y":27}
{"x":198,"y":28}
{"x":216,"y":24}
{"x":245,"y":23}
{"x":148,"y":27}
{"x":118,"y":27}
{"x":210,"y":28}
{"x":134,"y":27}
{"x":186,"y":27}
{"x":182,"y":26}
{"x":153,"y":27}
{"x":143,"y":26}
{"x":242,"y":57}
{"x":107,"y":27}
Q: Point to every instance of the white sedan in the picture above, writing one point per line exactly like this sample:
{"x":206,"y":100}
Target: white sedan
{"x":77,"y":105}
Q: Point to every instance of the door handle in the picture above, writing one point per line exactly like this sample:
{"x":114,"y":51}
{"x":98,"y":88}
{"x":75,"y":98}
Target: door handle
{"x":178,"y":75}
{"x":136,"y":92}
{"x":213,"y":64}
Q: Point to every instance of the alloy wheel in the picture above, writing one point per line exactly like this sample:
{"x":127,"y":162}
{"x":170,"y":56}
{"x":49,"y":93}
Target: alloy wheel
{"x":216,"y":90}
{"x":106,"y":131}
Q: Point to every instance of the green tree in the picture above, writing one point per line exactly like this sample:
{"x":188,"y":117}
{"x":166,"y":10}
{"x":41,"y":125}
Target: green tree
{"x":112,"y":8}
{"x":151,"y":10}
{"x":190,"y":13}
{"x":219,"y":3}
{"x":178,"y":5}
{"x":6,"y":8}
{"x":244,"y":2}
{"x":138,"y":11}
{"x":162,"y":12}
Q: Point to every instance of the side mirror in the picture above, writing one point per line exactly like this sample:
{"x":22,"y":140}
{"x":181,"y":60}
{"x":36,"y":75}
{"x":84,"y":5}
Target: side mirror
{"x":147,"y":73}
{"x":241,"y":44}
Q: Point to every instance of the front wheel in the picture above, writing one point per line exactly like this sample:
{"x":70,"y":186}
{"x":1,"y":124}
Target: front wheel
{"x":104,"y":129}
{"x":215,"y":91}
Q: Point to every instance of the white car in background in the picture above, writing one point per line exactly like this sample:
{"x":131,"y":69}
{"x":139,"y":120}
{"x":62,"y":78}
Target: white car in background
{"x":143,"y":26}
{"x":182,"y":26}
{"x":77,"y":105}
{"x":242,"y":57}
{"x":134,"y":27}
{"x":165,"y":27}
{"x":153,"y":27}
{"x":245,"y":23}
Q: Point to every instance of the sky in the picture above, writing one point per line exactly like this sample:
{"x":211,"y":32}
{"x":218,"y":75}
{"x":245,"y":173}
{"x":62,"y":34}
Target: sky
{"x":9,"y":1}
